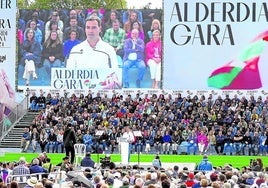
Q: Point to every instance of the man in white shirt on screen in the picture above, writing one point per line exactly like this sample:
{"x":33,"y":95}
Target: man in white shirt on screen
{"x":93,"y":52}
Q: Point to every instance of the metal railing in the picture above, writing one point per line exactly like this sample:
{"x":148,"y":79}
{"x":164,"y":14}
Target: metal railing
{"x":12,"y":118}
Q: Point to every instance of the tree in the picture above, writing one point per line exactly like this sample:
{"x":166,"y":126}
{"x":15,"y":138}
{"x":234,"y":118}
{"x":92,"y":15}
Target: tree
{"x":70,"y":4}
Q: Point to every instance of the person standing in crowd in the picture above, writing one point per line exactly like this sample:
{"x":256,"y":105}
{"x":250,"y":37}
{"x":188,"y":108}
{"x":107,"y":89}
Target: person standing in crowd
{"x":205,"y":164}
{"x":30,"y":52}
{"x":93,"y":52}
{"x":133,"y":55}
{"x":52,"y":52}
{"x":129,"y":136}
{"x":157,"y":162}
{"x":69,"y":139}
{"x":153,"y":52}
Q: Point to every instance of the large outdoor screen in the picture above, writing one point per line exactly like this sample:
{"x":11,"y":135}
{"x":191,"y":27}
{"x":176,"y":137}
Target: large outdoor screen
{"x":215,"y":45}
{"x":58,"y":76}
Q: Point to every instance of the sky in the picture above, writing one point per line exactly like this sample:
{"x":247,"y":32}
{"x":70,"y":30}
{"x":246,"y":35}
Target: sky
{"x":141,"y":3}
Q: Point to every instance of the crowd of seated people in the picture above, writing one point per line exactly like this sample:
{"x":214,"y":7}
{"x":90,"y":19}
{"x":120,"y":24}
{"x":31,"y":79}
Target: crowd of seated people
{"x":254,"y":175}
{"x":169,"y":124}
{"x":56,"y":32}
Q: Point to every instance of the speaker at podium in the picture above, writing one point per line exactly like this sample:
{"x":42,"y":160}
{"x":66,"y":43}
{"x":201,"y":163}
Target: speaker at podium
{"x":124,"y":147}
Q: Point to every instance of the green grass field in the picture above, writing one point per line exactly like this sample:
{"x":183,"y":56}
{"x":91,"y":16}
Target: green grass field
{"x":236,"y":161}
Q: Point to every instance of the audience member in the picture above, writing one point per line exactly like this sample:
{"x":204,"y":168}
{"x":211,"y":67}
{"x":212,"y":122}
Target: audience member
{"x":133,"y":55}
{"x":156,"y":25}
{"x":22,"y":168}
{"x":153,"y":52}
{"x":205,"y":165}
{"x":25,"y":139}
{"x":115,"y":36}
{"x":56,"y":18}
{"x":53,"y":27}
{"x":30,"y":55}
{"x":80,"y":33}
{"x":52,"y":52}
{"x":87,"y":161}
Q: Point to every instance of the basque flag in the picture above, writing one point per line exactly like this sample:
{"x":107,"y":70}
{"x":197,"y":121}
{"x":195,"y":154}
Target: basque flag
{"x":243,"y":72}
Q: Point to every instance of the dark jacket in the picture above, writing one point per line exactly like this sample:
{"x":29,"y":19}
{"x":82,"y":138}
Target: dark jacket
{"x":57,"y":52}
{"x":69,"y":137}
{"x":87,"y":162}
{"x":30,"y":47}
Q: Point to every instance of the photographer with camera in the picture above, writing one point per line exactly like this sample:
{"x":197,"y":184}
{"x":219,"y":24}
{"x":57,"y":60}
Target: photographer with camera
{"x":256,"y":165}
{"x":107,"y":163}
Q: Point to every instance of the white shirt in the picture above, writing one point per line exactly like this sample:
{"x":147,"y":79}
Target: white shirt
{"x":84,"y":56}
{"x":129,"y":136}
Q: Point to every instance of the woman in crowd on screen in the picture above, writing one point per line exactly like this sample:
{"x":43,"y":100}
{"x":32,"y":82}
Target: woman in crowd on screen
{"x":52,"y":52}
{"x":53,"y":26}
{"x":156,"y":25}
{"x":136,"y":25}
{"x":30,"y":55}
{"x":38,"y":33}
{"x":153,"y":52}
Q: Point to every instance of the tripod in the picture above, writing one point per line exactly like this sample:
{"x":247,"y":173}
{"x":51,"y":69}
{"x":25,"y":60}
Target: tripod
{"x":138,"y":135}
{"x":98,"y":137}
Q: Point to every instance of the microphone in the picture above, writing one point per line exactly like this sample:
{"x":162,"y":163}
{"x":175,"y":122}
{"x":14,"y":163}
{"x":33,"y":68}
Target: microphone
{"x":79,"y":52}
{"x":109,"y":58}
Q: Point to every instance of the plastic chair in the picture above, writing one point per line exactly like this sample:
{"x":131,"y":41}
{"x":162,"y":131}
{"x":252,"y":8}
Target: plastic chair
{"x":80,"y":153}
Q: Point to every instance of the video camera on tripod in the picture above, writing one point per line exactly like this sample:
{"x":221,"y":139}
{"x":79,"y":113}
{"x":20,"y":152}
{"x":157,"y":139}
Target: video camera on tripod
{"x":106,"y":162}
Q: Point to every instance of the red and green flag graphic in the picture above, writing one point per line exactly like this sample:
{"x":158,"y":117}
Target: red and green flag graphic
{"x":243,"y":72}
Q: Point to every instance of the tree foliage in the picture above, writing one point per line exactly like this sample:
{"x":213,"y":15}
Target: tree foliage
{"x":71,"y":4}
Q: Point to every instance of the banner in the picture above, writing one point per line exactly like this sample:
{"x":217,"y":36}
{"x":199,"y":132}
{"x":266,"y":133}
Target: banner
{"x":215,"y":45}
{"x":84,"y":79}
{"x":8,"y":38}
{"x":7,"y":57}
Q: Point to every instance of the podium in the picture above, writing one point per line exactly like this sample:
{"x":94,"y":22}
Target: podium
{"x":124,"y":147}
